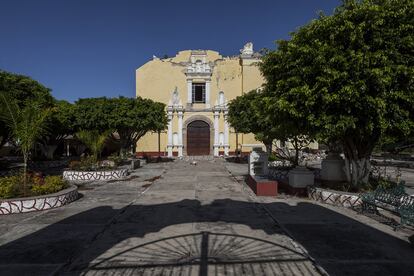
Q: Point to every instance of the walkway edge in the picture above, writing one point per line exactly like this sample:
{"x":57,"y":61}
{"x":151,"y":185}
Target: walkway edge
{"x":295,"y":243}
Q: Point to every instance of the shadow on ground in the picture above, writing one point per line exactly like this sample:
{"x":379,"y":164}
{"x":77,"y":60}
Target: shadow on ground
{"x":342,"y":246}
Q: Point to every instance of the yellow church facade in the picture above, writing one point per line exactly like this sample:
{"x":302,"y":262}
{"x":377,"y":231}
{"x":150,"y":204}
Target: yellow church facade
{"x":196,"y":86}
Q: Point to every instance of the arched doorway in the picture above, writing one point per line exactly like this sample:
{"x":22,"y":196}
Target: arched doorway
{"x":198,"y":138}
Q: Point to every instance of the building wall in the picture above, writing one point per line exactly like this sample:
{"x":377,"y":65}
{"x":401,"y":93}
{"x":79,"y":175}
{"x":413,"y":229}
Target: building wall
{"x":167,"y":81}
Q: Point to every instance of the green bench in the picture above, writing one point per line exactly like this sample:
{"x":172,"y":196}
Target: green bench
{"x":395,"y":200}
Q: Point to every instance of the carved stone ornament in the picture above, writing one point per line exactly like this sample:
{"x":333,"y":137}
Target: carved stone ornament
{"x":247,"y":49}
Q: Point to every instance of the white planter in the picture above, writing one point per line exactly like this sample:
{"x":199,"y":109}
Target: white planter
{"x":95,"y":175}
{"x":38,"y":203}
{"x":333,"y":168}
{"x":336,"y":198}
{"x":301,"y":177}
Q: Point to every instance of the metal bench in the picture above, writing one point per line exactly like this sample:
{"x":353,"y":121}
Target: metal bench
{"x":395,"y":200}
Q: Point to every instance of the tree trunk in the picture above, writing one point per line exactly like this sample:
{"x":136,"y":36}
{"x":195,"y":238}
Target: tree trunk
{"x":295,"y":145}
{"x":48,"y":150}
{"x":25,"y":157}
{"x":268,"y":147}
{"x":357,"y":161}
{"x":357,"y":170}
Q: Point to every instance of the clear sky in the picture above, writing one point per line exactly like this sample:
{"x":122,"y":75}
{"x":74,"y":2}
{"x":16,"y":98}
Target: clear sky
{"x":91,"y":48}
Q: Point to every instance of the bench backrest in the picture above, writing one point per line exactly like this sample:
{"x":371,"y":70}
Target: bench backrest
{"x":394,"y":196}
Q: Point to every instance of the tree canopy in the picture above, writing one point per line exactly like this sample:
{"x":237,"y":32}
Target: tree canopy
{"x":349,"y":76}
{"x":131,"y":118}
{"x":253,"y":113}
{"x":23,"y":90}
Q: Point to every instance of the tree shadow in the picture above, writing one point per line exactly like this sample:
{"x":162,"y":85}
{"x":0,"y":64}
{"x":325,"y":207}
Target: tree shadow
{"x":87,"y":242}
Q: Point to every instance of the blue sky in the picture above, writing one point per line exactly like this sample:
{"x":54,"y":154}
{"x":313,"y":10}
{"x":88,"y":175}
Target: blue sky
{"x":91,"y":48}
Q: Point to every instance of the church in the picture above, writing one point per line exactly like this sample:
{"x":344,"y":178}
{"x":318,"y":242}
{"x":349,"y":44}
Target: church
{"x":196,"y":86}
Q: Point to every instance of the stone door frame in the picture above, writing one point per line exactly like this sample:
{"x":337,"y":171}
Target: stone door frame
{"x":198,"y":118}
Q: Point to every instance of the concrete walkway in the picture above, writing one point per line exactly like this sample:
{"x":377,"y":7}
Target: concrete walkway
{"x":194,"y":220}
{"x":179,"y":219}
{"x":342,"y":241}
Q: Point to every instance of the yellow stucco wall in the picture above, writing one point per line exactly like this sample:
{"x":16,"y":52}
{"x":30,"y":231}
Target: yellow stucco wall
{"x":159,"y":78}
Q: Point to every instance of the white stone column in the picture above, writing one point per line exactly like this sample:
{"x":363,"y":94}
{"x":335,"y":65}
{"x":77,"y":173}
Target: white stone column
{"x":189,"y":91}
{"x":180,"y":133}
{"x":226,"y":134}
{"x":216,"y":133}
{"x":208,"y":93}
{"x":170,"y":132}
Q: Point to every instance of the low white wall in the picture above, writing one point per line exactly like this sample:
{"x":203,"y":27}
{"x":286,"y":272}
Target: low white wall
{"x":336,"y":198}
{"x":95,"y":175}
{"x":38,"y":203}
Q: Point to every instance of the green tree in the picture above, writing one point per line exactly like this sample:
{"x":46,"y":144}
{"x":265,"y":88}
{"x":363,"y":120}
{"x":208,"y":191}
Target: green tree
{"x":61,"y":124}
{"x":92,"y":114}
{"x":22,"y":90}
{"x":132,"y":118}
{"x":350,"y":77}
{"x":94,"y":140}
{"x":26,"y":124}
{"x":252,"y":113}
{"x":245,"y":116}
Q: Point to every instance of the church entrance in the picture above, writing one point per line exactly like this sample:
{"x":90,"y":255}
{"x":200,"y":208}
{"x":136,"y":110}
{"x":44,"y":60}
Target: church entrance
{"x":198,"y":138}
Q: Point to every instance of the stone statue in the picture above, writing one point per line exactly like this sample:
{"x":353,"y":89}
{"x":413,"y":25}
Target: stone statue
{"x":247,"y":49}
{"x":175,"y":97}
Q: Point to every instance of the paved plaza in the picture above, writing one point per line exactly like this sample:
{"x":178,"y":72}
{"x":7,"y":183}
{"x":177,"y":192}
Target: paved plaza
{"x":181,"y":219}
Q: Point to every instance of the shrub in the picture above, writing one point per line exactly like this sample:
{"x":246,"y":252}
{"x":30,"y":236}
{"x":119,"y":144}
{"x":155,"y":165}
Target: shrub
{"x":51,"y":184}
{"x":10,"y":186}
{"x":117,"y":159}
{"x":87,"y":163}
{"x":274,"y":157}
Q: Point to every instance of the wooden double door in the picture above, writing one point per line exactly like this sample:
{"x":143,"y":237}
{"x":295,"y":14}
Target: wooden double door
{"x":198,"y":138}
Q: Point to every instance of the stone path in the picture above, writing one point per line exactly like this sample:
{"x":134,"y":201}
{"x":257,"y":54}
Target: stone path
{"x":195,"y":220}
{"x":180,"y":219}
{"x":342,"y":241}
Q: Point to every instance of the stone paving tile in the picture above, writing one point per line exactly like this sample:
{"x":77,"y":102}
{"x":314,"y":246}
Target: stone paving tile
{"x":342,"y":241}
{"x":214,"y":203}
{"x":114,"y":229}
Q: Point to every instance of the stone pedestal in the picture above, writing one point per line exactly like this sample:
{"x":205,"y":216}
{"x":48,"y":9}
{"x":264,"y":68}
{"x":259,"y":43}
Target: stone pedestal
{"x":333,"y":168}
{"x":258,"y":162}
{"x":301,"y":177}
{"x":262,"y":186}
{"x":258,"y":179}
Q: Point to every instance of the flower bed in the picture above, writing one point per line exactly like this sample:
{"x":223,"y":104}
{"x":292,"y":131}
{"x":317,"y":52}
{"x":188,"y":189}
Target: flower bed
{"x":42,"y":165}
{"x":95,"y":175}
{"x":38,"y":203}
{"x":336,"y":198}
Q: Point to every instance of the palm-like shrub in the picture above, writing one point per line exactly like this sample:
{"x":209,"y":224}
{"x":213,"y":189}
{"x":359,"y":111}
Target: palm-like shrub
{"x":26,"y":124}
{"x":94,"y":140}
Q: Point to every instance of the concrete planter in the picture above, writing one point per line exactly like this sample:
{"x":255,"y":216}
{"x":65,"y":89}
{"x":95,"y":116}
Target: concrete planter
{"x":336,"y":198}
{"x":95,"y":175}
{"x":301,"y":177}
{"x":333,"y":168}
{"x":38,"y":203}
{"x":134,"y":164}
